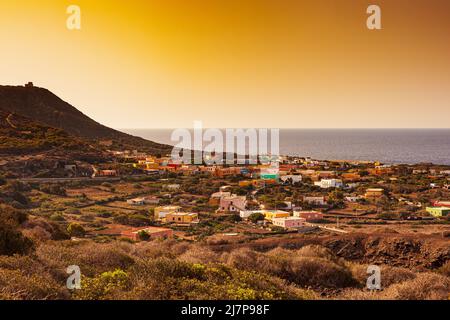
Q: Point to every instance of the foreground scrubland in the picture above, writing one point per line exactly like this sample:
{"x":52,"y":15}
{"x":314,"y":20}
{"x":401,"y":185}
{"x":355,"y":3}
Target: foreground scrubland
{"x":179,"y":270}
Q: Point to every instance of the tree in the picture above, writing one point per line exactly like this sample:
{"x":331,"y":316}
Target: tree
{"x":76,"y":230}
{"x":11,"y":239}
{"x":143,"y":235}
{"x":255,"y":217}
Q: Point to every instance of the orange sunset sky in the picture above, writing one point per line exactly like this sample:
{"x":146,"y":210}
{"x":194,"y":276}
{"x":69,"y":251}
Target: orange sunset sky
{"x":247,"y":63}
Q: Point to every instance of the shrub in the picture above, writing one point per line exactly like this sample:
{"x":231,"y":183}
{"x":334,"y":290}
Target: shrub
{"x":445,"y":269}
{"x":15,"y":285}
{"x":76,"y":230}
{"x":103,"y":286}
{"x":143,"y":235}
{"x":255,"y":217}
{"x":425,"y":286}
{"x":57,"y":217}
{"x":11,"y":239}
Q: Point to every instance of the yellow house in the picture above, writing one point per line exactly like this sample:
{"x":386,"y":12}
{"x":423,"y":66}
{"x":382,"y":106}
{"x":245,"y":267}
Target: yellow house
{"x":162,"y":212}
{"x":182,"y":217}
{"x":147,"y":164}
{"x":273,"y":214}
{"x":438,"y":211}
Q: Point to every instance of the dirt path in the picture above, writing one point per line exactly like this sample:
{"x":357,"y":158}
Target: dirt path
{"x":8,"y":119}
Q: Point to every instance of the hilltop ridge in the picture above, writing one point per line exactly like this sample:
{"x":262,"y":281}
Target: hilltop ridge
{"x":42,"y":106}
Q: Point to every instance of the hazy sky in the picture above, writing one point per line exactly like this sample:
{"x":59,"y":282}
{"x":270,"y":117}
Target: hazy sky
{"x":236,"y":63}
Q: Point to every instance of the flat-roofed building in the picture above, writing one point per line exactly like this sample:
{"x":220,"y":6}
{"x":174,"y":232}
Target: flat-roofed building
{"x":309,"y":215}
{"x":161,"y":212}
{"x":374,"y":192}
{"x":438,"y":211}
{"x":289,"y":222}
{"x":273,"y":214}
{"x":182,"y":217}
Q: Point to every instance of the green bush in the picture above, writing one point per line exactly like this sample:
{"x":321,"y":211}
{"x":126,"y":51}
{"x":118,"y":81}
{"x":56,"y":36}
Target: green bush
{"x":76,"y":230}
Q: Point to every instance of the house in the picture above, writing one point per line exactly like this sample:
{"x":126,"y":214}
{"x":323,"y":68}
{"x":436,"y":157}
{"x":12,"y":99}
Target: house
{"x":317,"y":201}
{"x":153,"y":233}
{"x":441,"y":204}
{"x":146,"y":164}
{"x":151,"y":200}
{"x":380,"y":170}
{"x":289,"y":222}
{"x":438,"y":211}
{"x":172,"y":187}
{"x":268,"y":176}
{"x":161,"y":212}
{"x":232,"y":203}
{"x":188,"y":170}
{"x":269,"y":172}
{"x":136,"y":201}
{"x":244,"y":214}
{"x":104,"y":173}
{"x":230,"y":171}
{"x":309,"y":215}
{"x":214,"y":200}
{"x":351,"y":176}
{"x":140,"y":201}
{"x":329,"y":183}
{"x":374,"y":193}
{"x":182,"y":217}
{"x":352,"y":198}
{"x":318,"y":175}
{"x":208,"y":169}
{"x":273,"y":214}
{"x":291,"y":178}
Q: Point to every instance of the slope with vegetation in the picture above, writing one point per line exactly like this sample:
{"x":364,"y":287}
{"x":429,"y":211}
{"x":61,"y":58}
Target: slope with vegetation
{"x":42,"y":106}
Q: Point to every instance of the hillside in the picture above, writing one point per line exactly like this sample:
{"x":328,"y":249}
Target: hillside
{"x":20,"y":135}
{"x":41,"y":105}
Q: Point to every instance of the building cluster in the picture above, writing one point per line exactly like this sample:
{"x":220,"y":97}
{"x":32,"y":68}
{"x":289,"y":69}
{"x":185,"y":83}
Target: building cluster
{"x":284,"y":219}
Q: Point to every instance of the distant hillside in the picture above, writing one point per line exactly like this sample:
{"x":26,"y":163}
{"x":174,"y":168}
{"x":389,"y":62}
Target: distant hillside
{"x":20,"y":135}
{"x":41,"y":105}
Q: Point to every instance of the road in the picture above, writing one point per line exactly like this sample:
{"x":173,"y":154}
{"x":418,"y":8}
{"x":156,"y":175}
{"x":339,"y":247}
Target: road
{"x":57,"y":180}
{"x":326,"y":228}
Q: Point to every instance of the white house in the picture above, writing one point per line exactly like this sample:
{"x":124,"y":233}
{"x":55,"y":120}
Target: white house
{"x":244,"y":214}
{"x":136,"y":201}
{"x":352,"y":198}
{"x":318,"y":201}
{"x":329,"y":183}
{"x":291,"y":177}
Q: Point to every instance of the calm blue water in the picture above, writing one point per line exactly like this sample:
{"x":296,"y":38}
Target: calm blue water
{"x":385,"y":145}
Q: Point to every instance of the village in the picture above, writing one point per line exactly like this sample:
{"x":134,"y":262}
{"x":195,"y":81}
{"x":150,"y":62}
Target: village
{"x":137,"y":197}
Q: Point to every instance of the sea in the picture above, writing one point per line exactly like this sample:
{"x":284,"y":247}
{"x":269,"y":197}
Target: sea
{"x":390,"y":146}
